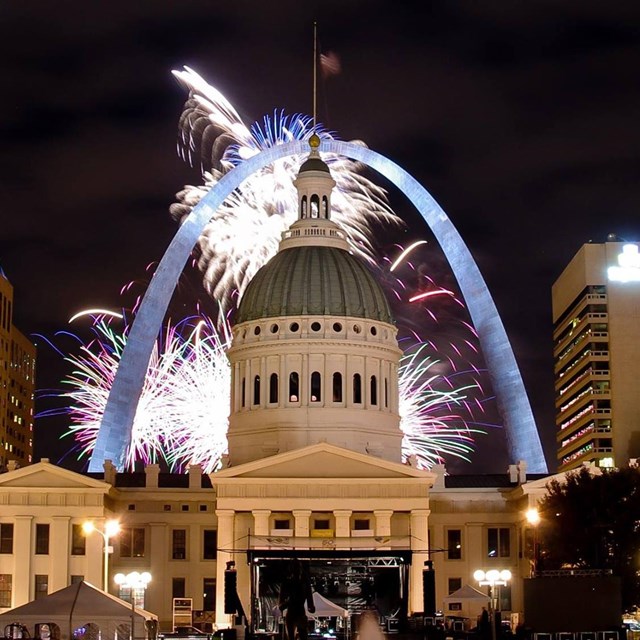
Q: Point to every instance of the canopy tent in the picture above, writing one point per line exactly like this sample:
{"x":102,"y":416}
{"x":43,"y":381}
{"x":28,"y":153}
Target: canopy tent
{"x":470,"y":600}
{"x":325,"y":608}
{"x":77,"y":606}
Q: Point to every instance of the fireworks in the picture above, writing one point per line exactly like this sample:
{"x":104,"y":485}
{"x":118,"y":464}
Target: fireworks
{"x":245,"y":231}
{"x":182,"y":416}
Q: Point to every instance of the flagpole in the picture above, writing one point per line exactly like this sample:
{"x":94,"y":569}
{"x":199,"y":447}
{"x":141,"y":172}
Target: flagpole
{"x":315,"y":71}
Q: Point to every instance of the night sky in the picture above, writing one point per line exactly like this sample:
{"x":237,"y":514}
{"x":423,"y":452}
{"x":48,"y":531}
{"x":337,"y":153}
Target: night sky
{"x":521,"y":119}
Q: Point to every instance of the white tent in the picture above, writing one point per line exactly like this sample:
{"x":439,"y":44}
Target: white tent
{"x":77,"y":606}
{"x":325,"y":608}
{"x":471,"y":602}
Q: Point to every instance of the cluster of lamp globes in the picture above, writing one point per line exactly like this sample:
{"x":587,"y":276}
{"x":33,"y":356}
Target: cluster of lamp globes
{"x":492,"y":577}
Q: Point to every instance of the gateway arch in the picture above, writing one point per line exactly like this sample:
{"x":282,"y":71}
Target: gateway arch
{"x":522,"y":436}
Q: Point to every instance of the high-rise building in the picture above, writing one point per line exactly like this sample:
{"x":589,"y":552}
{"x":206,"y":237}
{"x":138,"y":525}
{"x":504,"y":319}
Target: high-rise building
{"x":17,"y":384}
{"x":596,"y":320}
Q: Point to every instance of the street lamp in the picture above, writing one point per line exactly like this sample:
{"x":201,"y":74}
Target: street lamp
{"x":111,"y":528}
{"x":133,"y":581}
{"x":533,"y":518}
{"x":492,"y":578}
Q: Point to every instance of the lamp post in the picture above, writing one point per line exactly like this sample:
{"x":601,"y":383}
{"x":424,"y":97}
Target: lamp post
{"x":133,"y":581}
{"x":492,"y":578}
{"x":111,"y":528}
{"x":533,"y":518}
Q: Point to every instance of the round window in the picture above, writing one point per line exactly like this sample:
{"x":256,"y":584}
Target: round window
{"x":274,"y":328}
{"x":337,"y":327}
{"x":257,"y":331}
{"x":294,"y":326}
{"x":374,"y":331}
{"x":357,"y":328}
{"x":316,"y":326}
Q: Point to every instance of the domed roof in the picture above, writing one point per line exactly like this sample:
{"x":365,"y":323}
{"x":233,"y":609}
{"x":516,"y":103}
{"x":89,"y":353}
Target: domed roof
{"x":314,"y":164}
{"x":314,"y":280}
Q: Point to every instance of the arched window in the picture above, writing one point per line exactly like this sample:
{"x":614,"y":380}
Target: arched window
{"x":357,"y":389}
{"x":315,"y":387}
{"x":256,"y":390}
{"x":325,"y":207}
{"x":337,"y":387}
{"x":273,"y":388}
{"x":386,"y":393}
{"x":303,"y":207}
{"x":315,"y":206}
{"x":294,"y":387}
{"x":243,"y":391}
{"x":374,"y":391}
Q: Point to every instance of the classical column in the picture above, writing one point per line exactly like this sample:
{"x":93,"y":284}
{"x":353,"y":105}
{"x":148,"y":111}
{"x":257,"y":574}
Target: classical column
{"x":383,"y":522}
{"x":343,"y":522}
{"x":419,"y":530}
{"x":59,"y":562}
{"x":226,"y":541}
{"x":261,"y":522}
{"x":301,"y":518}
{"x":22,"y":561}
{"x":159,"y":589}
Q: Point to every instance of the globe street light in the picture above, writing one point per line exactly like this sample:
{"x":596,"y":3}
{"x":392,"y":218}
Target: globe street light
{"x":133,"y":581}
{"x":533,"y":518}
{"x":111,"y":529}
{"x":492,"y":578}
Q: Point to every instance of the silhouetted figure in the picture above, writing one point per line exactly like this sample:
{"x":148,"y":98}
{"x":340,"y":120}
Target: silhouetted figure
{"x":483,"y":625}
{"x":295,"y":591}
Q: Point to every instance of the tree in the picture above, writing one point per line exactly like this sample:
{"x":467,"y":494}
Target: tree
{"x":592,"y":521}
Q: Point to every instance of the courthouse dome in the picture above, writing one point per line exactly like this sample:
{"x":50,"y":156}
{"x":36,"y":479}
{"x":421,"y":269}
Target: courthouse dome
{"x":314,"y":280}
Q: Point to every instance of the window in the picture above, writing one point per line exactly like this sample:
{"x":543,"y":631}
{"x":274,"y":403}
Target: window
{"x":361,"y":524}
{"x":454,"y":544}
{"x":184,"y":507}
{"x":374,"y":391}
{"x":42,"y":586}
{"x":337,"y":387}
{"x":357,"y":389}
{"x":131,"y":542}
{"x":209,"y":594}
{"x":325,"y":207}
{"x":282,"y":523}
{"x":167,"y":507}
{"x":78,"y":540}
{"x":504,"y":598}
{"x":5,"y":589}
{"x":75,"y":579}
{"x":243,"y":391}
{"x":454,"y":584}
{"x":178,"y":588}
{"x":321,"y":524}
{"x":273,"y":388}
{"x":6,"y":538}
{"x":315,"y":205}
{"x":498,"y":542}
{"x":210,"y":544}
{"x":294,"y":386}
{"x":386,"y":393}
{"x":315,"y":387}
{"x":256,"y":390}
{"x":303,"y":211}
{"x":179,"y":545}
{"x":42,"y":539}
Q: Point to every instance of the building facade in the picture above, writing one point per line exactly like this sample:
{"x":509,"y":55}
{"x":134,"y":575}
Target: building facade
{"x":17,"y":384}
{"x":596,"y":319}
{"x":184,"y":528}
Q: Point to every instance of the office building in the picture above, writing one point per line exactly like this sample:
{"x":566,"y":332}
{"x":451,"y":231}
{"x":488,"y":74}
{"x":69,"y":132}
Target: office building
{"x":17,"y":384}
{"x":596,"y":338}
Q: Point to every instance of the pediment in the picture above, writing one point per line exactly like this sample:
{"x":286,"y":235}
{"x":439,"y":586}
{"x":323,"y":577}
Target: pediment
{"x":323,"y":461}
{"x":48,"y":476}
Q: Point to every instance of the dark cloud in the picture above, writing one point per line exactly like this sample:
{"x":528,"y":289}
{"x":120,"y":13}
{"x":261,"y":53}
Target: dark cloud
{"x":520,"y":118}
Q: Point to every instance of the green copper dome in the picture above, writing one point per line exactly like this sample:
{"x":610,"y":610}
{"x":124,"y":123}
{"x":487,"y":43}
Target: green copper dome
{"x":313,"y":280}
